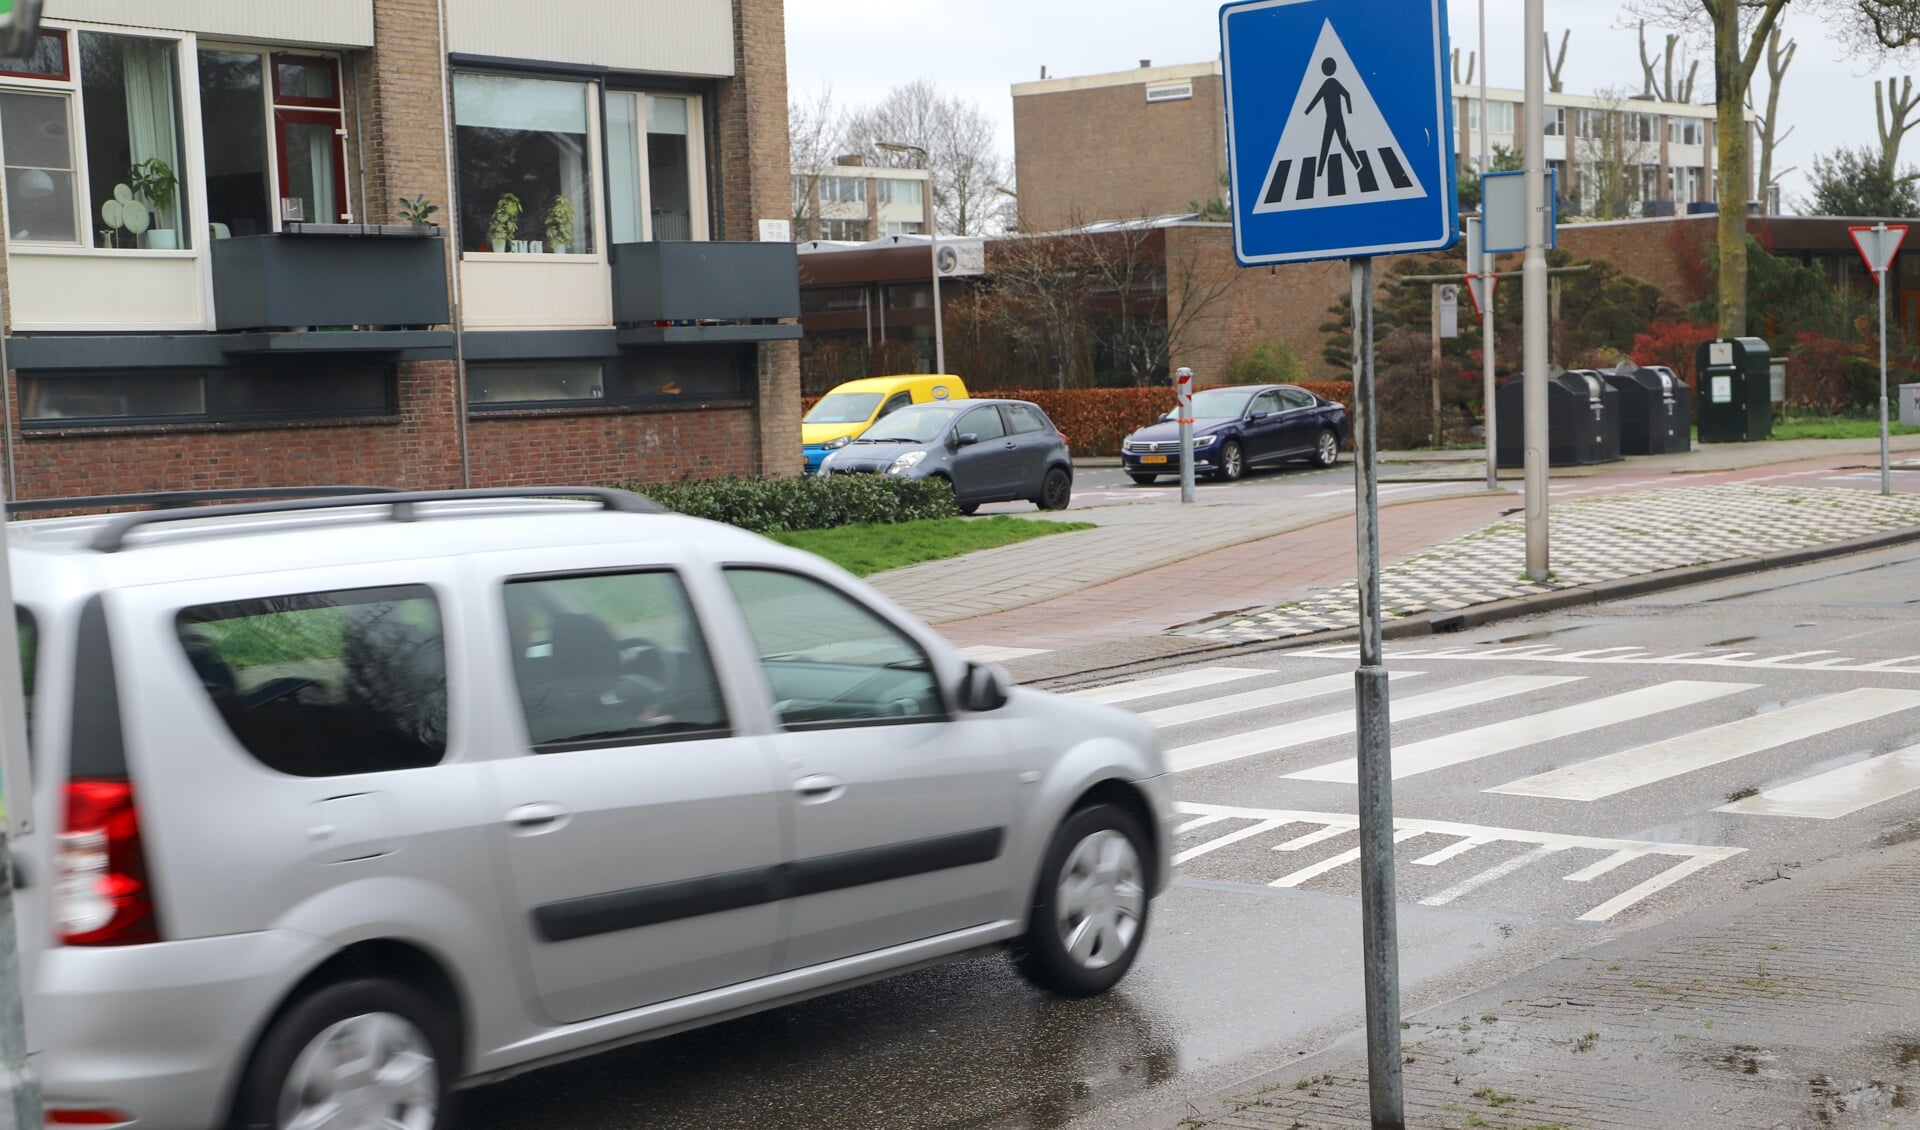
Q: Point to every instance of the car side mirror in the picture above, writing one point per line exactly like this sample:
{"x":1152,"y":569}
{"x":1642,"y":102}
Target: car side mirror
{"x":1167,"y":415}
{"x":965,"y":439}
{"x":984,"y":688}
{"x":1257,"y":415}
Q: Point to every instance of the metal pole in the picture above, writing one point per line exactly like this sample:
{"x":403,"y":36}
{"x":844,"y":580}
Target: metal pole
{"x":1380,"y":955}
{"x":1485,"y":268}
{"x":1183,"y":399}
{"x":20,"y":1107}
{"x":1533,"y":285}
{"x":939,"y":334}
{"x":1886,"y":478}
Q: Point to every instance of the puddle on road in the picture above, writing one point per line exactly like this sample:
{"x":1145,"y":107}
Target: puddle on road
{"x":1834,"y":1098}
{"x":1749,"y":1060}
{"x":1734,"y":642}
{"x":1550,"y":632}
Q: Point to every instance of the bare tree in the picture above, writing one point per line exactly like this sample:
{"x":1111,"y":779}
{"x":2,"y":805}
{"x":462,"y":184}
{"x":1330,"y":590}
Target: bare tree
{"x":1460,"y":77}
{"x":1555,"y":65}
{"x":1662,"y":86}
{"x":1612,"y":142}
{"x":1739,"y":31}
{"x":1893,"y":117}
{"x":813,"y":142}
{"x":949,"y":137}
{"x":1778,"y":60}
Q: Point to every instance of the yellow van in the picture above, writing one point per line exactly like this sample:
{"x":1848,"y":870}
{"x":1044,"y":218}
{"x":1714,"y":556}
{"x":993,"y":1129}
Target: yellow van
{"x":853,"y":407}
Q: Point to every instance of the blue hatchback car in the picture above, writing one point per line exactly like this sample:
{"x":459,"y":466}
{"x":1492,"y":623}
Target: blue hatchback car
{"x":1239,"y":427}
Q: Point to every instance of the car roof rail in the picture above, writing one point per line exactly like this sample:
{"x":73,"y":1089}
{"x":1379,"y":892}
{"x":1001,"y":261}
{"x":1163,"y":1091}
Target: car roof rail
{"x":184,"y":497}
{"x":111,"y":537}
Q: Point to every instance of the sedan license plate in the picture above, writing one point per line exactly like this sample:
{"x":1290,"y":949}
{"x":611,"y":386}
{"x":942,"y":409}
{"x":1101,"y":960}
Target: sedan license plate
{"x":1153,"y":459}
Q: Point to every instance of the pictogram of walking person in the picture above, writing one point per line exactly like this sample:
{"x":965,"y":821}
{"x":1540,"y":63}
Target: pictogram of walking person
{"x":1339,"y":104}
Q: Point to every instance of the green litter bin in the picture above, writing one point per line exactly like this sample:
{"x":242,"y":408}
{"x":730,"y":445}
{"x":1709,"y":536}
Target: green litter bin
{"x":1735,"y":391}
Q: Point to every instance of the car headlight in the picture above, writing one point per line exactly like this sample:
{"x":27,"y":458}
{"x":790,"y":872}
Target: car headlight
{"x":906,"y":462}
{"x":1205,"y":441}
{"x":837,"y":444}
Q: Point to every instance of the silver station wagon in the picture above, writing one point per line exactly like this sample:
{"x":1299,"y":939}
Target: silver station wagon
{"x":347,"y":801}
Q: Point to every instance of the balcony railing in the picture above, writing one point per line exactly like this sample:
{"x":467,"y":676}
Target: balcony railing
{"x":700,"y":283}
{"x":331,"y":276}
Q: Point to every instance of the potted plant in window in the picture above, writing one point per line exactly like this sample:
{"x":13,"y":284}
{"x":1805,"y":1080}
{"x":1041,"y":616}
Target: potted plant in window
{"x":418,"y":212}
{"x":153,"y":182}
{"x":560,"y":219}
{"x":504,"y":227}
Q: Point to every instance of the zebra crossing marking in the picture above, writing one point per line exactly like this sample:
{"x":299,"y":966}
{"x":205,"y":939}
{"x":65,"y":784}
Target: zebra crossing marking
{"x":1206,"y":708}
{"x":1499,"y":871}
{"x":1700,"y":749}
{"x":1535,"y":653}
{"x":1691,"y":857}
{"x":1168,"y":684}
{"x":1462,"y":746}
{"x":1270,"y":739}
{"x":986,"y":653}
{"x":1838,"y":792}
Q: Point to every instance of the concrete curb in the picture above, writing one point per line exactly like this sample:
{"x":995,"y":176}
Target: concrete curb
{"x":1475,"y":616}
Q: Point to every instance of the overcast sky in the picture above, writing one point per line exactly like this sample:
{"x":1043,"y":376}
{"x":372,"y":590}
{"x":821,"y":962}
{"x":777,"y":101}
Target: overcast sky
{"x":979,"y":48}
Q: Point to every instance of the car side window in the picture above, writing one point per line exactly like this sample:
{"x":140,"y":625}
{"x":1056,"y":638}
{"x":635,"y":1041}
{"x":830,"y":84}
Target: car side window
{"x":830,"y":660}
{"x":983,"y":422}
{"x":325,"y":684}
{"x":610,"y":659}
{"x":1024,"y":418}
{"x":894,"y":403}
{"x":1265,"y":402}
{"x":1291,"y":398}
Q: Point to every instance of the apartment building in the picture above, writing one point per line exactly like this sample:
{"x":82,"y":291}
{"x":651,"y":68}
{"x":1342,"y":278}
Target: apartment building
{"x":1152,"y":141}
{"x":212,"y":277}
{"x":851,"y":201}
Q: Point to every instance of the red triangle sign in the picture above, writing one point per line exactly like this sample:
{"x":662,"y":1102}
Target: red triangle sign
{"x":1878,"y":244}
{"x":1480,"y":289}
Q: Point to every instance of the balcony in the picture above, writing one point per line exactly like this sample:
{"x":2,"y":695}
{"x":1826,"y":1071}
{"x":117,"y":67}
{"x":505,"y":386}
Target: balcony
{"x":705,"y":292}
{"x":333,"y":287}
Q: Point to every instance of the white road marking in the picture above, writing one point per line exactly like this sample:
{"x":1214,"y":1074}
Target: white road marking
{"x":1232,"y":837}
{"x":1252,"y":700}
{"x":1686,"y":753}
{"x":1334,"y":863}
{"x":1460,"y":847}
{"x":1196,"y":824}
{"x":1312,"y":838}
{"x":989,"y":654}
{"x":1469,"y":885}
{"x":1167,"y":684}
{"x":1905,"y":664}
{"x":1693,"y":857}
{"x":1775,"y":659}
{"x":1847,"y":789}
{"x":1270,"y":739}
{"x":1458,"y":748}
{"x":1601,"y":867}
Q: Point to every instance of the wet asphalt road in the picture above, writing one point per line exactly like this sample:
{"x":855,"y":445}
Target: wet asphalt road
{"x":1238,"y":977}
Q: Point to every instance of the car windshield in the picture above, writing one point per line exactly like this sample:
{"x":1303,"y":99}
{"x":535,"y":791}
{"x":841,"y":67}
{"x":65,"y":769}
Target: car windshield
{"x":843,"y":408}
{"x":919,"y":423}
{"x":1220,"y":403}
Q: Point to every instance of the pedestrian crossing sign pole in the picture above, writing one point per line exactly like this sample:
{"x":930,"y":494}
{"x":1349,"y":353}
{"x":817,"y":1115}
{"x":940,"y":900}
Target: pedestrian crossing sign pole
{"x":1340,"y":146}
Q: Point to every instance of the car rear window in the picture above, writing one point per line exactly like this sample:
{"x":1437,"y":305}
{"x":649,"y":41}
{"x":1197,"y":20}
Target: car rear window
{"x":325,"y":684}
{"x":1026,"y":418}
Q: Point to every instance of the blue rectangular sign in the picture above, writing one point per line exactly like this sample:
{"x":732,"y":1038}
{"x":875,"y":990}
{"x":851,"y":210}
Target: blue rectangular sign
{"x":1339,"y":128}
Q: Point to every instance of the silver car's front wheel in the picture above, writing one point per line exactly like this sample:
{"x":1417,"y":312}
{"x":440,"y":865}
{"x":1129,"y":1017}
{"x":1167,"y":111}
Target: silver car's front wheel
{"x":374,"y":1069}
{"x":1089,"y":913}
{"x":370,"y":1052}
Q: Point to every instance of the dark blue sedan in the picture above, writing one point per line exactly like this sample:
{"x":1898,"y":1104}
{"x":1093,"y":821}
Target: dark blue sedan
{"x":1239,"y":427}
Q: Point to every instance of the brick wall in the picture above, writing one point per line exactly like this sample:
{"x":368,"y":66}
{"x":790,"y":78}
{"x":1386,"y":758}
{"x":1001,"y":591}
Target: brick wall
{"x":62,"y":465}
{"x":404,"y":110}
{"x":1284,"y":303}
{"x":1669,"y":253}
{"x":1104,"y":153}
{"x":605,"y":447}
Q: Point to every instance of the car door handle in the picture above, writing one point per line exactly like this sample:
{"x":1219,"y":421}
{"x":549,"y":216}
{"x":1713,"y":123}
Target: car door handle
{"x":1011,"y":445}
{"x":541,"y":816}
{"x":819,"y":788}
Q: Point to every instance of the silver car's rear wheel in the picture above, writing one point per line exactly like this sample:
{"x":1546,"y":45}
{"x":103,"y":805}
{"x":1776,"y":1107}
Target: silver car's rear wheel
{"x":369,"y":1052}
{"x":1089,"y":912}
{"x":374,"y":1069}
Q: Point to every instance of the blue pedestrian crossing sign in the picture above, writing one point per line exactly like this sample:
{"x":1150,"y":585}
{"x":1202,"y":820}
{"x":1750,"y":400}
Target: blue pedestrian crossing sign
{"x":1339,"y":128}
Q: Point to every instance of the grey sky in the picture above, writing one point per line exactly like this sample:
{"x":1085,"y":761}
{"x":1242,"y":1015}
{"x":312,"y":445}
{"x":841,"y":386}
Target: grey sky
{"x":979,"y":49}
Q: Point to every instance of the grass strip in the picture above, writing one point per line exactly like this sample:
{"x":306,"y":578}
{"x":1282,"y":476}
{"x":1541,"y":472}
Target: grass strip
{"x":865,"y":549}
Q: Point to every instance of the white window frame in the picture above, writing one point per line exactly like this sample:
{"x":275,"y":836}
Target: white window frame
{"x":267,"y":108}
{"x":701,"y":203}
{"x":596,"y":182}
{"x":190,"y":177}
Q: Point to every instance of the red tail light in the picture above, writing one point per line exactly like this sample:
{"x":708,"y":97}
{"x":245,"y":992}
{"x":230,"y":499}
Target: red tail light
{"x":1063,"y":437}
{"x":101,"y":893}
{"x":70,"y":1117}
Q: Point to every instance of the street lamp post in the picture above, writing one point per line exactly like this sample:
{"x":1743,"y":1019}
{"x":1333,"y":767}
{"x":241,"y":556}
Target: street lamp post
{"x":933,"y":246}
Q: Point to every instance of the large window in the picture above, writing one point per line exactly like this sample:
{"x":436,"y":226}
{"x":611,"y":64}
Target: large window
{"x":284,"y":391}
{"x":525,"y":164}
{"x":234,"y":132}
{"x":130,"y":87}
{"x":1556,"y":121}
{"x":850,"y":230}
{"x":898,"y":191}
{"x":843,"y":190}
{"x":41,"y":186}
{"x":1499,"y":116}
{"x":661,"y":376}
{"x":1686,"y":131}
{"x":656,"y":168}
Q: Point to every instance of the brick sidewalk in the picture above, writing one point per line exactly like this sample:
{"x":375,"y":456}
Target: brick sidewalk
{"x":1794,"y":1008}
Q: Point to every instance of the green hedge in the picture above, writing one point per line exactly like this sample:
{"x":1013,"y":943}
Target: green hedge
{"x":809,"y":502}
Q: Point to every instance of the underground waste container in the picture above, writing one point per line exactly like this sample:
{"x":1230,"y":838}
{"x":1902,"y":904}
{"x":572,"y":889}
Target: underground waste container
{"x":1654,"y":411}
{"x":1583,"y":420}
{"x":1736,"y":390}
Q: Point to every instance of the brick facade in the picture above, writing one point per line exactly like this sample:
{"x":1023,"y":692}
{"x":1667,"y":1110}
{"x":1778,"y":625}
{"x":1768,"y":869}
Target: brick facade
{"x":398,"y":113}
{"x":1103,"y":152}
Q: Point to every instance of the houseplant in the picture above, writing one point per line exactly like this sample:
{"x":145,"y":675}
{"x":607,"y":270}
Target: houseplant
{"x":560,"y":219}
{"x":504,"y":227}
{"x":153,"y":182}
{"x":418,"y":211}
